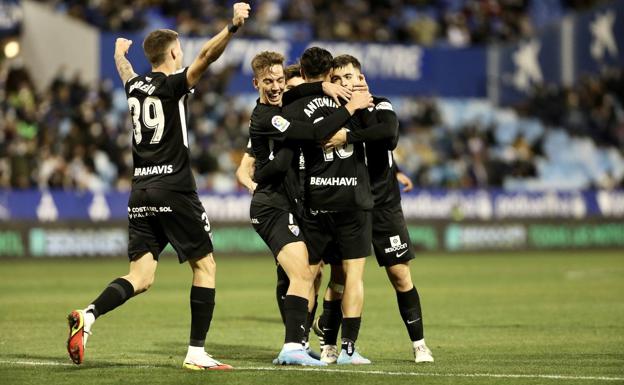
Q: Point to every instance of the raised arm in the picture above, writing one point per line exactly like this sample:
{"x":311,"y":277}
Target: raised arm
{"x":124,"y":68}
{"x":213,"y":48}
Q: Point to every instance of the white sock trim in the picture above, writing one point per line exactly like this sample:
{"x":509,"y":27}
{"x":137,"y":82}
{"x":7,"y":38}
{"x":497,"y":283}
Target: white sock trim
{"x":89,"y":318}
{"x":418,"y":343}
{"x":193,"y":350}
{"x":291,"y":346}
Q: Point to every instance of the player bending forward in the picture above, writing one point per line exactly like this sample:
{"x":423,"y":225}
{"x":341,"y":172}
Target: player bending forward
{"x":163,"y":206}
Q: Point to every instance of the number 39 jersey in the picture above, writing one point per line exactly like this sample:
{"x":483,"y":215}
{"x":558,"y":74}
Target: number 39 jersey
{"x":160,"y":150}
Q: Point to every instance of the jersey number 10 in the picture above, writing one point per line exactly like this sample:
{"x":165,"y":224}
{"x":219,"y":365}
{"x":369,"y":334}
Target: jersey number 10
{"x":343,"y":152}
{"x":152,"y":116}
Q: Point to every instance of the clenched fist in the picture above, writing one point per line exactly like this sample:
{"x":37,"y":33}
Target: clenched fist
{"x":122,"y":45}
{"x":241,"y":12}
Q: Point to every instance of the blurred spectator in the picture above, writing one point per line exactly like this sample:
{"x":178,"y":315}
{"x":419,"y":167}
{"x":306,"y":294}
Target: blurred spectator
{"x":459,"y":22}
{"x":73,"y":135}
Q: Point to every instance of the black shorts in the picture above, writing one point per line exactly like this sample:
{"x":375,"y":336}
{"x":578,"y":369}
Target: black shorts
{"x":157,"y":217}
{"x":276,"y":227}
{"x":391,"y":239}
{"x":346,"y":233}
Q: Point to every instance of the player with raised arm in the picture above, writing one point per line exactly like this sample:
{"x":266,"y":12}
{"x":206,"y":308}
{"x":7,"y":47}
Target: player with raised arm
{"x":391,"y":240}
{"x":163,"y":206}
{"x":273,"y":211}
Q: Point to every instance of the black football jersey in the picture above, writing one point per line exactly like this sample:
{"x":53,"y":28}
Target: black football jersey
{"x":160,"y":149}
{"x":381,"y":166}
{"x":335,"y":179}
{"x":272,"y":139}
{"x":267,"y":135}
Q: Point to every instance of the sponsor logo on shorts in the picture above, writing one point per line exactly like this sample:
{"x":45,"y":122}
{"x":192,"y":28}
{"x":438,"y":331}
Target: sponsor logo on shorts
{"x":147,"y":211}
{"x":294,"y":229}
{"x":396,"y":245}
{"x":399,"y":255}
{"x":255,"y":221}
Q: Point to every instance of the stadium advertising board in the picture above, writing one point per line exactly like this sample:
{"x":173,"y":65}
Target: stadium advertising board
{"x":81,"y":224}
{"x":586,"y":43}
{"x":457,"y":205}
{"x":90,"y":239}
{"x":599,"y":38}
{"x":412,"y":69}
{"x":559,"y":54}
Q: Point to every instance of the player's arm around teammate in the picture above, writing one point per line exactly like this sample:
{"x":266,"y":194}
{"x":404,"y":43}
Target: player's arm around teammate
{"x":390,"y":236}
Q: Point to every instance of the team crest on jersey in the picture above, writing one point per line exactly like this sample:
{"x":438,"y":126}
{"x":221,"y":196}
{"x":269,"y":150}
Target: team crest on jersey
{"x":384,"y":106}
{"x":294,"y":229}
{"x":280,"y":123}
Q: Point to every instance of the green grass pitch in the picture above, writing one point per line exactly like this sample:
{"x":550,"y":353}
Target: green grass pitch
{"x":516,"y":318}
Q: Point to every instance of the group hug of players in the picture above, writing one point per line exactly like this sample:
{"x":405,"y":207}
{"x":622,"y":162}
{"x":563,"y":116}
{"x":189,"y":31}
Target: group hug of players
{"x":319,"y":163}
{"x":324,"y":183}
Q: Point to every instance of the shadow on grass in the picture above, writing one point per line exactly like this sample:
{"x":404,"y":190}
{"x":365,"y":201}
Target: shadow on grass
{"x":222,"y":352}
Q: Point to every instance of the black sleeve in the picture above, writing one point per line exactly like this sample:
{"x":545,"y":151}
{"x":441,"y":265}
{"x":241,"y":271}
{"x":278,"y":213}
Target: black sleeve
{"x":178,"y":83}
{"x":276,"y":167}
{"x":300,"y":130}
{"x":302,"y":90}
{"x":249,"y":149}
{"x":386,"y":128}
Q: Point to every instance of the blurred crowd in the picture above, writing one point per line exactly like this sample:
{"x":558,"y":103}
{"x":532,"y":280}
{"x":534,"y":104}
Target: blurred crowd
{"x":425,"y":22}
{"x":74,"y":135}
{"x":559,"y":138}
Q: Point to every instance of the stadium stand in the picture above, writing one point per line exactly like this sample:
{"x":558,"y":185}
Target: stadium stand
{"x":424,"y":22}
{"x":74,"y":135}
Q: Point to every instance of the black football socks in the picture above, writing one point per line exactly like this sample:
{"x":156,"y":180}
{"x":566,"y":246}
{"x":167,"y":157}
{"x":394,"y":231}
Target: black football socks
{"x":350,"y":331}
{"x":296,"y":315}
{"x":114,"y":295}
{"x":330,"y":321}
{"x":202,"y":307}
{"x":311,"y":314}
{"x":409,"y":307}
{"x":281,"y":289}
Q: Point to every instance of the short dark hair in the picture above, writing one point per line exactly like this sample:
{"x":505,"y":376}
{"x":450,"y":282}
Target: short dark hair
{"x":265,"y":60}
{"x":316,"y":62}
{"x":344,"y":60}
{"x":157,"y":43}
{"x":292,"y":71}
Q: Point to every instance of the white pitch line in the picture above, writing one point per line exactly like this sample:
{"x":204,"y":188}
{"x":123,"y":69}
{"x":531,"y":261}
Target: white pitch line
{"x":34,"y":363}
{"x":379,"y":372}
{"x":430,"y":374}
{"x":56,"y":363}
